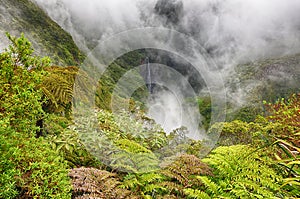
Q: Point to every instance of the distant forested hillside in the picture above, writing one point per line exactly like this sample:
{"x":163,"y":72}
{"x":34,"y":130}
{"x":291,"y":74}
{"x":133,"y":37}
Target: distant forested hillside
{"x":48,"y":38}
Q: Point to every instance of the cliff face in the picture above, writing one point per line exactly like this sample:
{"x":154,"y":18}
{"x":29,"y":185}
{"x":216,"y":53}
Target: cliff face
{"x":47,"y":37}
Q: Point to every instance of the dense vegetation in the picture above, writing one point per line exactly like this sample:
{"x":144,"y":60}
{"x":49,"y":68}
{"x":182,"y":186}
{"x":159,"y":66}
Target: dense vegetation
{"x":44,"y":156}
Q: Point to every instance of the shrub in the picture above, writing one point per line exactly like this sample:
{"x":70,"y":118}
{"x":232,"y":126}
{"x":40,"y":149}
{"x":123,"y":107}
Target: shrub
{"x":30,"y":168}
{"x":20,"y":73}
{"x":8,"y":170}
{"x":69,"y":146}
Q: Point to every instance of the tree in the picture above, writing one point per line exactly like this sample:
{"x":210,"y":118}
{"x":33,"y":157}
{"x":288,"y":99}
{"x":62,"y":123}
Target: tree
{"x":20,"y":73}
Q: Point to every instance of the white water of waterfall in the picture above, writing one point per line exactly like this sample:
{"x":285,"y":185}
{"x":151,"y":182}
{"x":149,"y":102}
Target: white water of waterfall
{"x":149,"y":78}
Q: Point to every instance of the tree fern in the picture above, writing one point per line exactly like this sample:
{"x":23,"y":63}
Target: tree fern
{"x":240,"y":173}
{"x":94,"y":183}
{"x":192,"y":193}
{"x":131,"y":146}
{"x":145,"y":184}
{"x":185,"y":168}
{"x":59,"y":85}
{"x":183,"y":172}
{"x":57,"y":89}
{"x":132,"y":157}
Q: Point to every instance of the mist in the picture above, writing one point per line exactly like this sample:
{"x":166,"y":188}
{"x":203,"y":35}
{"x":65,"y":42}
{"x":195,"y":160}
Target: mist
{"x":232,"y":31}
{"x":238,"y":30}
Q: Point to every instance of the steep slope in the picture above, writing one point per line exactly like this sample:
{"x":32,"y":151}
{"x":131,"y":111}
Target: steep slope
{"x":264,"y":80}
{"x":47,"y":37}
{"x":271,"y":78}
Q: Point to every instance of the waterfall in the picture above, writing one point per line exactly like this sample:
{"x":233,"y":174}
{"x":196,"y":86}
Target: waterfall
{"x":149,"y":77}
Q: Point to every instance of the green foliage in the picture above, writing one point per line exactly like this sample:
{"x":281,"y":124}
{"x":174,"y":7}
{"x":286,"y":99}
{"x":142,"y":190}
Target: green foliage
{"x":58,"y":85}
{"x":63,"y":137}
{"x":205,"y":110}
{"x":130,"y":142}
{"x":94,"y":183}
{"x":179,"y":143}
{"x":8,"y":181}
{"x":182,"y":174}
{"x":112,"y":75}
{"x":20,"y":72}
{"x":132,"y":157}
{"x":69,"y":146}
{"x":136,"y":127}
{"x":66,"y":141}
{"x":240,"y":172}
{"x":235,"y":132}
{"x":286,"y":114}
{"x":245,"y":114}
{"x":145,"y":185}
{"x":196,"y":194}
{"x":55,"y":124}
{"x":277,"y":134}
{"x":195,"y":148}
{"x":30,"y":168}
{"x":170,"y":182}
{"x":49,"y":38}
{"x":114,"y":147}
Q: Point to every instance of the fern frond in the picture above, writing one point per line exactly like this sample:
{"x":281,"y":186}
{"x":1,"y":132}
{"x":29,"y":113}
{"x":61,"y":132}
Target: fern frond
{"x":131,"y":146}
{"x":173,"y":187}
{"x":132,"y":157}
{"x":58,"y":88}
{"x":211,"y":186}
{"x":184,"y":168}
{"x":240,"y":173}
{"x":148,"y":178}
{"x":130,"y":181}
{"x":61,"y":84}
{"x":192,"y":193}
{"x":150,"y":188}
{"x":94,"y":183}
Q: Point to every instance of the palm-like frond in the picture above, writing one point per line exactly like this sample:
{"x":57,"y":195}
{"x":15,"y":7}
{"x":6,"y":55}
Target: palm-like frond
{"x":95,"y":183}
